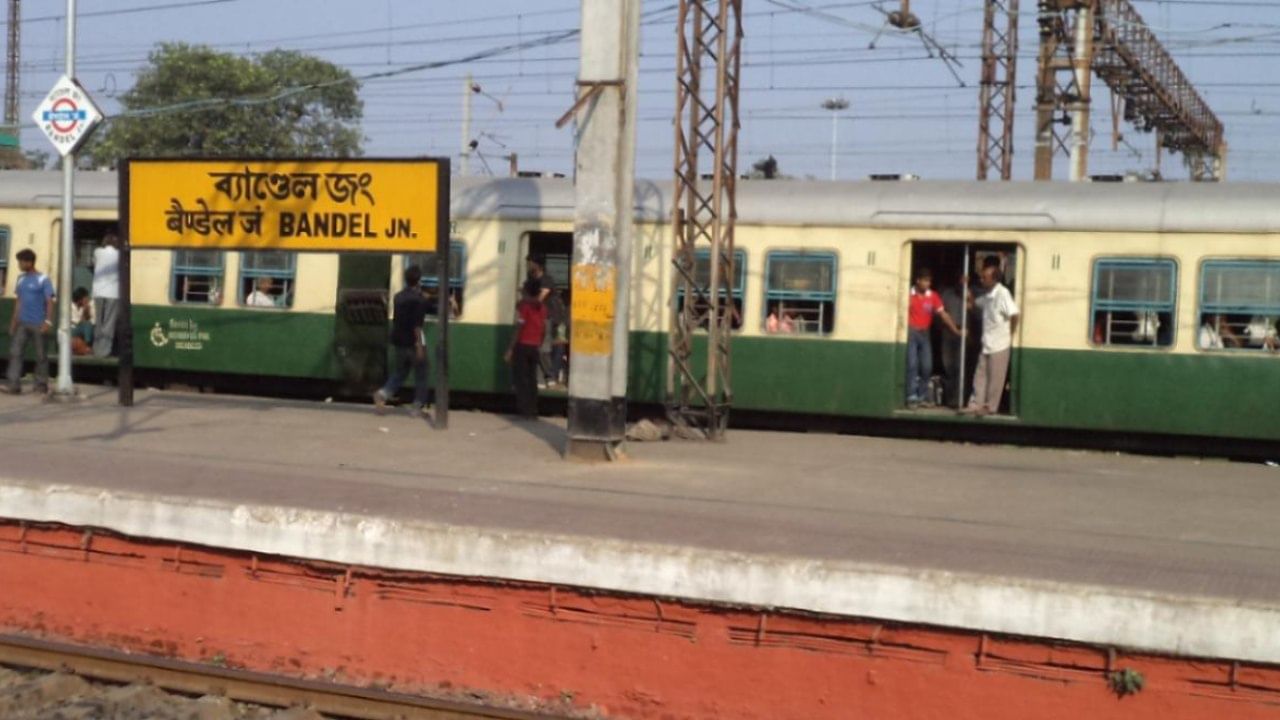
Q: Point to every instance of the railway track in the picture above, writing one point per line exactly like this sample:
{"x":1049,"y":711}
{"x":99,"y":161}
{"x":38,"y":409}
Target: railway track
{"x":248,"y":687}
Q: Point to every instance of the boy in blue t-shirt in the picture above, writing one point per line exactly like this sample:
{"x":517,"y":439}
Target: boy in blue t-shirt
{"x":32,"y":319}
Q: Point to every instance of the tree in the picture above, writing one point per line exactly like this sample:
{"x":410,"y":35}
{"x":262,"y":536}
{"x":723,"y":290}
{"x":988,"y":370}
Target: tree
{"x":196,"y":101}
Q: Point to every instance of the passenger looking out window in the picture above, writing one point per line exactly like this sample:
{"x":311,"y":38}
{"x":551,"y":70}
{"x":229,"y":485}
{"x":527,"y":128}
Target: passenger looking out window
{"x":1134,"y":302}
{"x":267,"y":278}
{"x":1240,"y":305}
{"x":261,"y":296}
{"x":800,"y":291}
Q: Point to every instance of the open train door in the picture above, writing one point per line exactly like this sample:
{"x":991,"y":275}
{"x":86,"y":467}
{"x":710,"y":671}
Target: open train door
{"x":956,"y":269}
{"x":361,"y":321}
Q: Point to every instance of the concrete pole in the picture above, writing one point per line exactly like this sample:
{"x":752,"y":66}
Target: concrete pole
{"x":464,"y":167}
{"x":602,"y":231}
{"x":1083,"y":69}
{"x":66,"y":253}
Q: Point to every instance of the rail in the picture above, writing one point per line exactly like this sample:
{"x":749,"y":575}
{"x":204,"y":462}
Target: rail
{"x":243,"y":686}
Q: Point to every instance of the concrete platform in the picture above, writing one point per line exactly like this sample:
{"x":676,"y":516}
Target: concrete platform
{"x":1172,"y":556}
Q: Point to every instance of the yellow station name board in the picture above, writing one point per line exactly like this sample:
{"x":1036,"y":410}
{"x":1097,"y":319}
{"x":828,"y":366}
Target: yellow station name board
{"x":333,"y":205}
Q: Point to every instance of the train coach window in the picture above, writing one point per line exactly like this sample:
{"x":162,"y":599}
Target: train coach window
{"x":1133,"y":302}
{"x":267,"y":278}
{"x":4,"y":257}
{"x":197,"y":276}
{"x":702,"y":277}
{"x":800,"y":292}
{"x":431,"y":277}
{"x":1239,"y":305}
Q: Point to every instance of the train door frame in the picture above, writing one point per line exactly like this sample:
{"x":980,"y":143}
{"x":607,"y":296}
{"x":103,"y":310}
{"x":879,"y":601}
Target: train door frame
{"x":971,"y":254}
{"x":549,"y":244}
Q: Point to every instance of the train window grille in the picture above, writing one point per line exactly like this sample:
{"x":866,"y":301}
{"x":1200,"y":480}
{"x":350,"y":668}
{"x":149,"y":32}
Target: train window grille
{"x":800,"y":293}
{"x":431,"y":276}
{"x":1134,"y":302}
{"x":702,"y":277}
{"x":277,"y":266}
{"x":1239,"y":305}
{"x":197,"y":276}
{"x":4,"y":257}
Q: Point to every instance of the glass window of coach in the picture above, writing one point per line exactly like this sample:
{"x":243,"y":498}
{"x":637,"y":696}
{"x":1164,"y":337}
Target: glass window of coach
{"x":800,"y":293}
{"x":1134,"y":302}
{"x":1239,"y":305}
{"x":267,"y":278}
{"x":197,"y":276}
{"x":431,"y":277}
{"x":702,"y":278}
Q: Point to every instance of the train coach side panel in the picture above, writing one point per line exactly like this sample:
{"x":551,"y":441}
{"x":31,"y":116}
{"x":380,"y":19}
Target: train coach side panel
{"x":1211,"y":395}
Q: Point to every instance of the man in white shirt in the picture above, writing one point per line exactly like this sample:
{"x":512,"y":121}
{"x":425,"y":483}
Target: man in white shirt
{"x":999,"y":323}
{"x":106,"y":294}
{"x":261,"y":295}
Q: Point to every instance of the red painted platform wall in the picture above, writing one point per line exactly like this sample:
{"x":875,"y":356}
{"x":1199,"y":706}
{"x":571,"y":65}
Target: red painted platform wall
{"x":561,"y":648}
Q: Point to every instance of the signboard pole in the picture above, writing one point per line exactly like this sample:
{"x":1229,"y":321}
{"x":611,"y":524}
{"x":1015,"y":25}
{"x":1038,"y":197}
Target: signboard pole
{"x":444,"y":301}
{"x":66,"y":255}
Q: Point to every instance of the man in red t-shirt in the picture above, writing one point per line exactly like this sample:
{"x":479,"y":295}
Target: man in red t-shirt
{"x":924,"y":305}
{"x":523,"y":352}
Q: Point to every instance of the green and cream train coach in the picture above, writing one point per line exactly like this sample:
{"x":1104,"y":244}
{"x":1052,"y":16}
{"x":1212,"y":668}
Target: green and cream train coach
{"x":1145,"y":308}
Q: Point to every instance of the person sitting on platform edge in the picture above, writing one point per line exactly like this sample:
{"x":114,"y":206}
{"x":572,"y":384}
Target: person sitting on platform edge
{"x":32,"y":319}
{"x":81,"y":323}
{"x":410,"y":345}
{"x":526,"y":344}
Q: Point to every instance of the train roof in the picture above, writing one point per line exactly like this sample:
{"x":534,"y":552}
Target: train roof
{"x":1148,"y":207}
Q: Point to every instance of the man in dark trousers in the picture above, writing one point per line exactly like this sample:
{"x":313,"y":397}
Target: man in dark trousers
{"x":32,"y":320}
{"x":409,"y":343}
{"x":526,"y":343}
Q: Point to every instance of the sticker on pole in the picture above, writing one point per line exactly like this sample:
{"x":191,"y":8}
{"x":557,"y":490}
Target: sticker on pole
{"x":66,"y":115}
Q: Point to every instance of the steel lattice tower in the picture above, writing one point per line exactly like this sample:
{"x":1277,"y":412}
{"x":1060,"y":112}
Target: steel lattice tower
{"x":998,"y":91}
{"x":13,"y":58}
{"x":703,"y":212}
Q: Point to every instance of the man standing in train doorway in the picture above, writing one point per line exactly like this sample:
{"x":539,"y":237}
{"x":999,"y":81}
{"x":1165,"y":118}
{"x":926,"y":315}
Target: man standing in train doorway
{"x":106,"y":295}
{"x":999,"y":323}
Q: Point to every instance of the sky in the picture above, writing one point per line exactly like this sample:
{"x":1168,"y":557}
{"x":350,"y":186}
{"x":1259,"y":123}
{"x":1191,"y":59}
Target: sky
{"x":908,"y":112}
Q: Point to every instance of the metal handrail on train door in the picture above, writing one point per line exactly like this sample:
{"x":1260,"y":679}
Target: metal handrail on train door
{"x":964,"y":329}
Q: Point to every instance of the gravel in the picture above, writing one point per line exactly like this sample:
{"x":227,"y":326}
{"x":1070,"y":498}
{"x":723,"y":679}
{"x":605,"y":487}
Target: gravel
{"x":34,"y":695}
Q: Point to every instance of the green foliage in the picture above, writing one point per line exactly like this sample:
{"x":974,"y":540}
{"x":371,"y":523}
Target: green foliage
{"x":279,"y":104}
{"x":1126,"y":682}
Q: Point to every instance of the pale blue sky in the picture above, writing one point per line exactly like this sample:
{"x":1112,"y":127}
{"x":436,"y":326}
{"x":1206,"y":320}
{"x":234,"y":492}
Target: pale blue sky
{"x":908,"y":114}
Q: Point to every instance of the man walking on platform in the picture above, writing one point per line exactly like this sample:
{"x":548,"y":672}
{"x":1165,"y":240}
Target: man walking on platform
{"x":410,"y":345}
{"x":32,"y":319}
{"x":999,"y":322}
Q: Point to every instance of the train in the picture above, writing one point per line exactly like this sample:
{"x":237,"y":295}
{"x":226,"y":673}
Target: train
{"x":1148,"y":309}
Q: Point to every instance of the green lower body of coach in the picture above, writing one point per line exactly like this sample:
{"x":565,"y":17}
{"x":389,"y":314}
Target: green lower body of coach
{"x":1140,"y":392}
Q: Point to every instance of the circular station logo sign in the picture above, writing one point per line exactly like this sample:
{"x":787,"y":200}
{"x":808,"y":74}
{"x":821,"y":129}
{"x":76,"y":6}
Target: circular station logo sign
{"x":66,"y":115}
